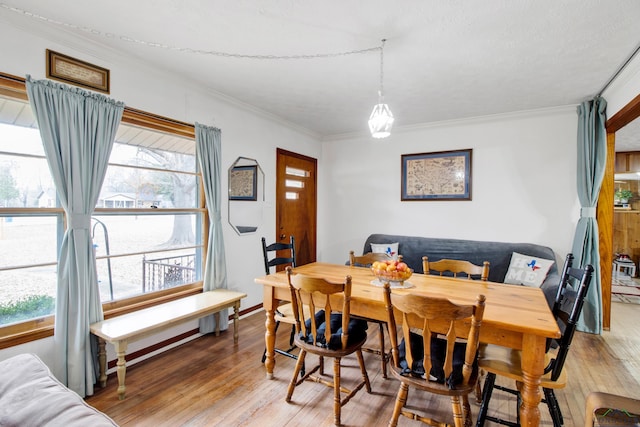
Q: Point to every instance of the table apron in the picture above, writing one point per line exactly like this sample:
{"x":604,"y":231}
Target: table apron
{"x":489,"y":333}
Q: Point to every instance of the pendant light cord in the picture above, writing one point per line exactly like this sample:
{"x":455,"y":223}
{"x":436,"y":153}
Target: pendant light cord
{"x":381,"y":92}
{"x":182,"y":49}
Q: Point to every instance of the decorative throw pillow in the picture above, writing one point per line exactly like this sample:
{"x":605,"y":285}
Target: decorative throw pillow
{"x":527,"y":270}
{"x":390,"y":249}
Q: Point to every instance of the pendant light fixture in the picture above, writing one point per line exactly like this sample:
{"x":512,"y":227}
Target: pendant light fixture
{"x":381,"y":118}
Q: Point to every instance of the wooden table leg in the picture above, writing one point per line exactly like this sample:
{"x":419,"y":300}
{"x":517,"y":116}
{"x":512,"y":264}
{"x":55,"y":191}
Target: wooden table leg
{"x":270,"y":330}
{"x":532,"y":368}
{"x":102,"y":359}
{"x":121,"y":351}
{"x":236,"y":321}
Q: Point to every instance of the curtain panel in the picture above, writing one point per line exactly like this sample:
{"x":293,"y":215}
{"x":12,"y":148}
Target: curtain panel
{"x":592,"y":156}
{"x":208,"y":153}
{"x":77,"y":128}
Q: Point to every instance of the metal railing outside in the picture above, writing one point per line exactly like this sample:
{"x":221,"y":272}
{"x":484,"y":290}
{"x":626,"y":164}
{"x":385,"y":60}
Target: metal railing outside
{"x":163,"y":273}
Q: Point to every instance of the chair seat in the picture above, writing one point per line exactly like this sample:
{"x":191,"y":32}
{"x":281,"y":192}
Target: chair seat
{"x":327,"y":352}
{"x":284,"y":313}
{"x":506,"y":362}
{"x":436,"y":387}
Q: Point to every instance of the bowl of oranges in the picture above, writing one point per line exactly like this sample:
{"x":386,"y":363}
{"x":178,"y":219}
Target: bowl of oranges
{"x":391,"y":271}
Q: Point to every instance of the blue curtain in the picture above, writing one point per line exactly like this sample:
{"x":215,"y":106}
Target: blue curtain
{"x":77,"y":130}
{"x":208,"y":153}
{"x":592,"y":154}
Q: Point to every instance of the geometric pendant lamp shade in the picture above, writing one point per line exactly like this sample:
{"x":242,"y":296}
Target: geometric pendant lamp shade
{"x":381,"y":118}
{"x":381,"y":121}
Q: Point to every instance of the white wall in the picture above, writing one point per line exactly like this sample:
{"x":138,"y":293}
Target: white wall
{"x":523,"y":184}
{"x":245,"y":133}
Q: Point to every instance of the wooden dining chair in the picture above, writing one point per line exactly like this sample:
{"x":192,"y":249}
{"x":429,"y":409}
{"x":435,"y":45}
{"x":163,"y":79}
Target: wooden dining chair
{"x":506,"y":362}
{"x":442,"y":359}
{"x":457,"y":268}
{"x":365,"y":261}
{"x":330,"y":332}
{"x":280,"y":255}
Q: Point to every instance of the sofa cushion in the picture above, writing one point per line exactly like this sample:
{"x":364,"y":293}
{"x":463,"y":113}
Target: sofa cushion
{"x":527,"y":270}
{"x":31,"y":396}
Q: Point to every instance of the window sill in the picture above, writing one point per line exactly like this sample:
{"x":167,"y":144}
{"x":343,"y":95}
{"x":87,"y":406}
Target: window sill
{"x":25,"y":332}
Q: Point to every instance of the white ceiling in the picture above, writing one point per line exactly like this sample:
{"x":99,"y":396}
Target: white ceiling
{"x":444,"y":60}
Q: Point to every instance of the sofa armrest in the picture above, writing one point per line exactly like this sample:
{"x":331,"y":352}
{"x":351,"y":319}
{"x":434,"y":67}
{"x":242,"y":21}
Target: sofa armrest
{"x":617,"y":410}
{"x":31,"y":396}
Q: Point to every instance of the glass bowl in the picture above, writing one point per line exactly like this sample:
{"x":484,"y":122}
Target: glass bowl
{"x":395,"y":277}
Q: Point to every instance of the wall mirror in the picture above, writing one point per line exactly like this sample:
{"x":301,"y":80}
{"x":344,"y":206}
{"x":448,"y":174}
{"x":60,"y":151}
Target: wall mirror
{"x":246,"y":195}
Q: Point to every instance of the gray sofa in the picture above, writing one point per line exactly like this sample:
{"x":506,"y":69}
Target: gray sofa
{"x":413,"y":248}
{"x":31,"y":396}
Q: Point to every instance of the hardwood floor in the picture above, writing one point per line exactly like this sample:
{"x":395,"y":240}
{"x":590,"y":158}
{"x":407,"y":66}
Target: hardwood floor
{"x":211,"y":382}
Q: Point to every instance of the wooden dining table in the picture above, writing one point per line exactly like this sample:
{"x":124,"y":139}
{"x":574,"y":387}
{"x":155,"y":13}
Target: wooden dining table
{"x":515,"y":316}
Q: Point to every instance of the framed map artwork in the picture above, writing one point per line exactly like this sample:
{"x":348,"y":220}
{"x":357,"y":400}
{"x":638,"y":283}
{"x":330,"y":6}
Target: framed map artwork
{"x":243,"y":183}
{"x":444,"y":175}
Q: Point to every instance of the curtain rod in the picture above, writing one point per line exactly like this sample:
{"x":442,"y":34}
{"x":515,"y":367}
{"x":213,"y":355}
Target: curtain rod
{"x":622,"y":67}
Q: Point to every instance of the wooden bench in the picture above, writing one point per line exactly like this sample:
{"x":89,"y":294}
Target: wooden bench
{"x":130,"y":327}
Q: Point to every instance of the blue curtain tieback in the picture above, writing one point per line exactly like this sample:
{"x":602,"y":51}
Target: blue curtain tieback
{"x":588,"y":212}
{"x":79,"y":221}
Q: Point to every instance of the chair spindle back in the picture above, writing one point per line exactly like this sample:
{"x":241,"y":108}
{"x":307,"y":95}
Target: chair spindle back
{"x":457,"y":268}
{"x":438,"y":316}
{"x":316,"y":294}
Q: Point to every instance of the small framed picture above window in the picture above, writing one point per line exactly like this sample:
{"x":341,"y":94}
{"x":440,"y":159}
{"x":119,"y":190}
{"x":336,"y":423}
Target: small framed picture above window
{"x":243,"y":183}
{"x":443,"y":175}
{"x":76,"y":72}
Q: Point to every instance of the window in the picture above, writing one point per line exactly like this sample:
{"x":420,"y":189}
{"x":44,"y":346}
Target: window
{"x":147,"y":227}
{"x":30,"y":221}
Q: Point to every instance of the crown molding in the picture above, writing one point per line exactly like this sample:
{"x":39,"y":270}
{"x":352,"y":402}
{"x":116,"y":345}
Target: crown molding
{"x":563,"y":109}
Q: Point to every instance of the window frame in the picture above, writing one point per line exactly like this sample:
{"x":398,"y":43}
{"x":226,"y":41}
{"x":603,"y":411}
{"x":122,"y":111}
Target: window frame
{"x":39,"y":328}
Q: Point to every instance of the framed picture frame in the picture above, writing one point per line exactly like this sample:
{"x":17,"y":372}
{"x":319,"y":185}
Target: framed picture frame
{"x":76,"y":72}
{"x":243,"y":183}
{"x":442,"y":175}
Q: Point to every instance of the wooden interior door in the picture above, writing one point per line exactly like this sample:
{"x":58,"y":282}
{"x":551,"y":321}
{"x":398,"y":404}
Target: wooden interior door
{"x":296,"y":203}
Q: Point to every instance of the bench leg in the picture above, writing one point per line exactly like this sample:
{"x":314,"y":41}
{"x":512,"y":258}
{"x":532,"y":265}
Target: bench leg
{"x":216,"y":317}
{"x":102,"y":358}
{"x":121,"y":351}
{"x":236,"y":321}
